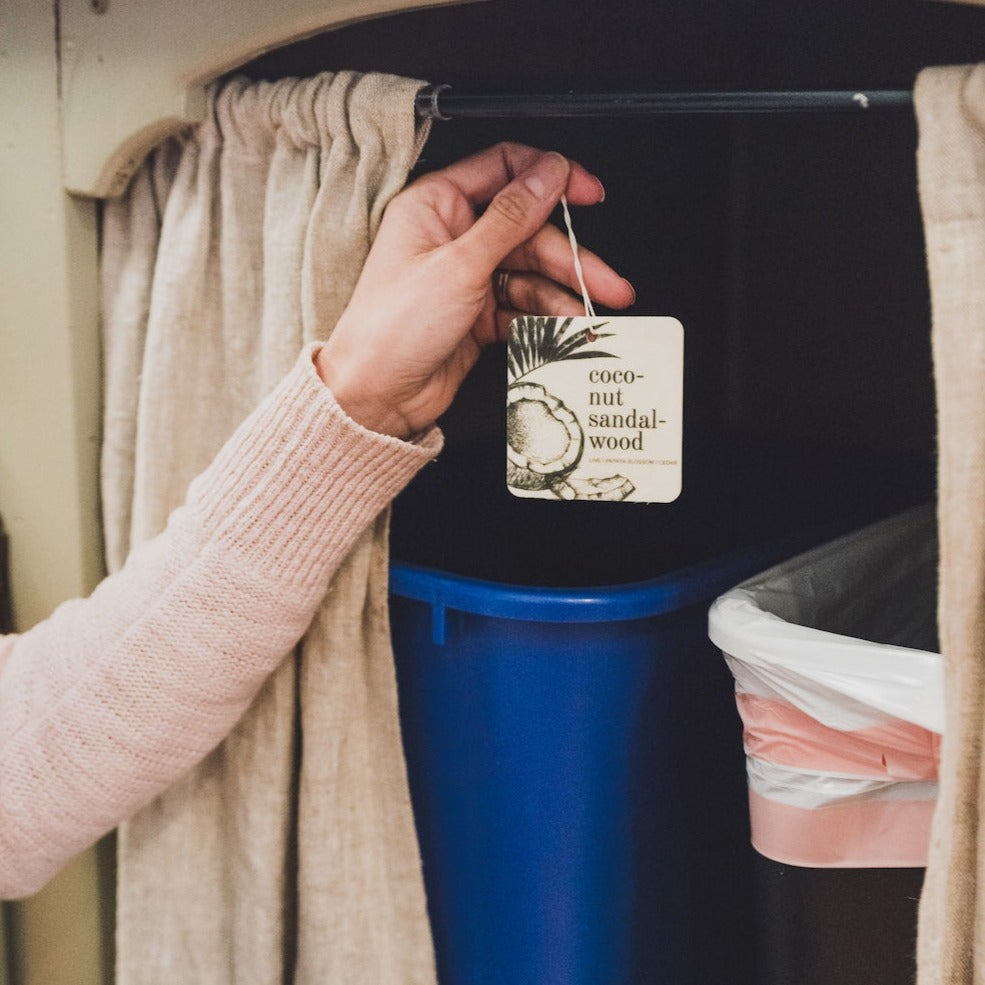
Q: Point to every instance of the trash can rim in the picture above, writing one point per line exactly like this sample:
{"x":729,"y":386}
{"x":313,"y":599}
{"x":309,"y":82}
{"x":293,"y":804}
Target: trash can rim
{"x":694,"y":584}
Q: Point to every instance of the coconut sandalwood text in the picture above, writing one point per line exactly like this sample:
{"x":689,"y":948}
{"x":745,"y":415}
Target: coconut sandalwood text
{"x":633,"y":419}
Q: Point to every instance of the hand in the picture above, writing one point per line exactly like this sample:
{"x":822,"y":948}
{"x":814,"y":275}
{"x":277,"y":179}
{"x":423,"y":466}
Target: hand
{"x":424,"y":305}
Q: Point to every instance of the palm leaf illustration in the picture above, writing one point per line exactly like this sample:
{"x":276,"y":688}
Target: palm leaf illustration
{"x":537,"y":340}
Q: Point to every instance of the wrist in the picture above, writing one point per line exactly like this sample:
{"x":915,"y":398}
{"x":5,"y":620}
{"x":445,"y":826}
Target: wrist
{"x":354,"y":396}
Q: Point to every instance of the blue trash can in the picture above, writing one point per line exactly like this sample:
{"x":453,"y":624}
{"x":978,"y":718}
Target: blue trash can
{"x":576,"y":766}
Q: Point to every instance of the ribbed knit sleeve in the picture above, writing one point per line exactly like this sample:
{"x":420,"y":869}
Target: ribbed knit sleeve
{"x":114,"y":697}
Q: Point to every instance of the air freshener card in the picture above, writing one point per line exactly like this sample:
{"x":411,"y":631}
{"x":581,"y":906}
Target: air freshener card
{"x":594,"y":408}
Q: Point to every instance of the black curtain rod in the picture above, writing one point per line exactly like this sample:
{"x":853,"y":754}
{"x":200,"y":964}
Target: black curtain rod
{"x":442,"y":102}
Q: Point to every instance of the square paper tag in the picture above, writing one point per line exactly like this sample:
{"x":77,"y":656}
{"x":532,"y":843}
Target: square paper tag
{"x":594,"y":408}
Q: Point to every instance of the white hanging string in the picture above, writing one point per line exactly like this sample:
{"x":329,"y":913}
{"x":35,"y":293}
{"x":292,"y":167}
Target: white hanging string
{"x":589,"y":308}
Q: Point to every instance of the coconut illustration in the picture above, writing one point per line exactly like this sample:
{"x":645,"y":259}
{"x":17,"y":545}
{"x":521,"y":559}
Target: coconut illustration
{"x":613,"y":489}
{"x":544,"y":440}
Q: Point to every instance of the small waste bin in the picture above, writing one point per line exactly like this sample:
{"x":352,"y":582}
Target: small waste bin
{"x":571,"y":756}
{"x":840,"y":690}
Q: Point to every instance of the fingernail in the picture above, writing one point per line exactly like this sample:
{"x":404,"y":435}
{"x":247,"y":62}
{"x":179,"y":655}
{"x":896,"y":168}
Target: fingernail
{"x":547,"y":175}
{"x":633,"y":289}
{"x":601,"y":190}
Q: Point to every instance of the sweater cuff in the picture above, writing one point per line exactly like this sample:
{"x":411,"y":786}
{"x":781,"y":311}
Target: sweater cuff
{"x":299,"y":480}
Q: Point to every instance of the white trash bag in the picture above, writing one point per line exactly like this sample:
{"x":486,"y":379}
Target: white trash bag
{"x":841,"y":694}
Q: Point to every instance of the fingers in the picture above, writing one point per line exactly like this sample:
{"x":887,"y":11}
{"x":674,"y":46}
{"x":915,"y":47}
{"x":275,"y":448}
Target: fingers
{"x":513,"y":232}
{"x":549,"y":253}
{"x":482,"y":175}
{"x":525,"y":185}
{"x":561,"y":304}
{"x":518,"y":293}
{"x":526,"y":293}
{"x":515,"y":214}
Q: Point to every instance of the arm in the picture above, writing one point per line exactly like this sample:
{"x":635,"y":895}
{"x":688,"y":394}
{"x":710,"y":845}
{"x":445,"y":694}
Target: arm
{"x":111,"y":699}
{"x":114,"y":697}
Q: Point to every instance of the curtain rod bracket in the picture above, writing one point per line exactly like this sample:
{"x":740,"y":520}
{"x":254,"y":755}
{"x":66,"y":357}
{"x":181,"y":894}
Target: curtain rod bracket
{"x":427,"y":102}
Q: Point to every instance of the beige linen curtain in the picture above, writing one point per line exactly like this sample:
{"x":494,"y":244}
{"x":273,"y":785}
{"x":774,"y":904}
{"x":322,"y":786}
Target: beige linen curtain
{"x":950,"y":106}
{"x":255,"y":869}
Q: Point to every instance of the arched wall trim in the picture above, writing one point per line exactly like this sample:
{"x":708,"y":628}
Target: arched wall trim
{"x":135,"y":72}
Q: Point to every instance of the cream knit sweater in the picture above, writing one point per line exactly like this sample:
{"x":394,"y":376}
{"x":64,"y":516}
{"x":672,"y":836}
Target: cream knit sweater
{"x":111,"y":699}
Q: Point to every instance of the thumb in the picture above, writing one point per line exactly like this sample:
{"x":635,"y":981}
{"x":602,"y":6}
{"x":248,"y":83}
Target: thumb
{"x":516,"y":212}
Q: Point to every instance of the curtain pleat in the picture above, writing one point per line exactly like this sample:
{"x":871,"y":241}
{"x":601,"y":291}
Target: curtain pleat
{"x":950,"y":106}
{"x":289,"y":855}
